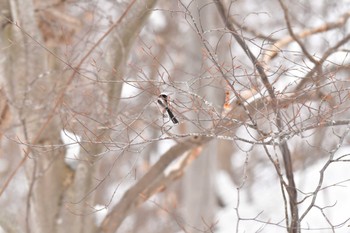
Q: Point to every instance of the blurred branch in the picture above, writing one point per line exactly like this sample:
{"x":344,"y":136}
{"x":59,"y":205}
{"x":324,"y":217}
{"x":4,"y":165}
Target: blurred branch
{"x":277,"y":46}
{"x":121,"y":37}
{"x":136,"y":194}
{"x":170,"y":173}
{"x":28,"y":32}
{"x":60,"y":96}
{"x":5,"y":113}
{"x":119,"y":46}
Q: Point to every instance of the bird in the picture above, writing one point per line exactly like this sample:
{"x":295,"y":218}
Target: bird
{"x":164,"y":104}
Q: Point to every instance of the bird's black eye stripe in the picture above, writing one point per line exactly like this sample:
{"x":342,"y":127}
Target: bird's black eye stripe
{"x":160,"y":103}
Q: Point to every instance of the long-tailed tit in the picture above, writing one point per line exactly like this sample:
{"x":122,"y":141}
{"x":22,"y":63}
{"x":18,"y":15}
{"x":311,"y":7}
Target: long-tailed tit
{"x":164,"y":104}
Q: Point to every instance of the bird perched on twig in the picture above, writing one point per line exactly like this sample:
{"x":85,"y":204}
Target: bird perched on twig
{"x":163,"y":102}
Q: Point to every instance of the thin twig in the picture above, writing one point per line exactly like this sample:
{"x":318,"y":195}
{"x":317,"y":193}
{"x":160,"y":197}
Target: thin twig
{"x":292,"y":34}
{"x":322,"y":171}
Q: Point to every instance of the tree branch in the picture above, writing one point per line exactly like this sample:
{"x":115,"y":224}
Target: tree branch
{"x":272,"y":52}
{"x":291,"y":188}
{"x":132,"y":196}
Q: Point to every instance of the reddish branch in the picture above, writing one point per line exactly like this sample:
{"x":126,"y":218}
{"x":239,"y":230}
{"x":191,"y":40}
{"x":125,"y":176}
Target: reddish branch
{"x":5,"y":114}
